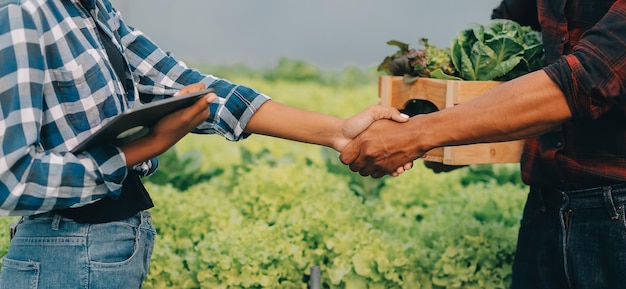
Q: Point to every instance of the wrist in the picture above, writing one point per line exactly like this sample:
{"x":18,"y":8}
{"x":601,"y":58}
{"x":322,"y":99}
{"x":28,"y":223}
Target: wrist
{"x":338,"y":138}
{"x":144,"y":148}
{"x":430,"y":134}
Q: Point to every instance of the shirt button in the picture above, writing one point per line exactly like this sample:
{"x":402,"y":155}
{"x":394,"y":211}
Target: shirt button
{"x":559,"y":144}
{"x":563,"y":40}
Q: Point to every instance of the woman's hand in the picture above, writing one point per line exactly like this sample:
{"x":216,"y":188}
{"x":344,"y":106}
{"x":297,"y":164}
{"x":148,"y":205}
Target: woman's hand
{"x":170,"y":129}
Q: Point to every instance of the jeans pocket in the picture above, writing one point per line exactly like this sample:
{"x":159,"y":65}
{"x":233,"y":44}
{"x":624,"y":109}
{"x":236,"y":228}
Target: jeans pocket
{"x":19,"y":274}
{"x":120,"y":258}
{"x":112,"y":245}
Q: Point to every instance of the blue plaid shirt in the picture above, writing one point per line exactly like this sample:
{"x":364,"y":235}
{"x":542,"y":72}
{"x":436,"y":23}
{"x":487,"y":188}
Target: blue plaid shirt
{"x":57,"y":87}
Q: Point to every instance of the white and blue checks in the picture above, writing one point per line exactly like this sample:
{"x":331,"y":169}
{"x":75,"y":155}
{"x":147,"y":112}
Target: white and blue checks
{"x":57,"y":87}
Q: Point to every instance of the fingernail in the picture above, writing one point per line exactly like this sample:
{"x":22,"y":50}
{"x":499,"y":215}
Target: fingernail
{"x":176,"y":94}
{"x":404,"y":115}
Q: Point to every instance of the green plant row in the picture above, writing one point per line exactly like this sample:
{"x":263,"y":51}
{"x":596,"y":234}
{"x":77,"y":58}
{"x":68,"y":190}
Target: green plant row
{"x":266,"y":223}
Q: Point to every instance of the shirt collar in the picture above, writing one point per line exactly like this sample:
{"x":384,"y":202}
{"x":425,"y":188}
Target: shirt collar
{"x":89,"y":4}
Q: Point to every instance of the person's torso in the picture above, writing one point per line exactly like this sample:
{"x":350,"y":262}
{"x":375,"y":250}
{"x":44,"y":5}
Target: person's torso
{"x":81,"y":89}
{"x":563,"y":23}
{"x":582,"y":153}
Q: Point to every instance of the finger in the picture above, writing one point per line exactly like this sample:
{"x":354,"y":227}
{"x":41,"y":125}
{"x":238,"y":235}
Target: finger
{"x":369,"y":166}
{"x":378,"y":174}
{"x":398,"y":172}
{"x":191,"y":88}
{"x":381,"y":172}
{"x":201,"y":106}
{"x":357,"y":166}
{"x":201,"y":111}
{"x":349,"y":153}
{"x":402,"y":169}
{"x":367,"y":171}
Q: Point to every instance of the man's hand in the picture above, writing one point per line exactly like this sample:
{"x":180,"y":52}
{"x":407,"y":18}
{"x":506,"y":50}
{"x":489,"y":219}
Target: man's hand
{"x":359,"y":122}
{"x":380,"y":150}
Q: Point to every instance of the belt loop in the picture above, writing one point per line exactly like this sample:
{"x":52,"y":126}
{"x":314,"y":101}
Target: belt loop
{"x":608,"y":200}
{"x":56,"y":220}
{"x":13,"y":228}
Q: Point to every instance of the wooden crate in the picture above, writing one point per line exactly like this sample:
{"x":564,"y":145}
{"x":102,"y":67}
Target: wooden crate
{"x":393,"y":91}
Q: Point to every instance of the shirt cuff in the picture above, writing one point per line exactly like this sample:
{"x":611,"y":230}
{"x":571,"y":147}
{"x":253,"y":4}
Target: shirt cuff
{"x":231,"y":112}
{"x":585,"y":99}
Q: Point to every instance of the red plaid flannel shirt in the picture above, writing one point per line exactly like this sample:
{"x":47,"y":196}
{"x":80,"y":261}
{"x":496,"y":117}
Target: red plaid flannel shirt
{"x":585,"y":45}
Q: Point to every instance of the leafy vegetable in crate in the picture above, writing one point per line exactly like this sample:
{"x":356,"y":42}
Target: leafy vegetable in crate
{"x":413,"y":62}
{"x":500,"y":50}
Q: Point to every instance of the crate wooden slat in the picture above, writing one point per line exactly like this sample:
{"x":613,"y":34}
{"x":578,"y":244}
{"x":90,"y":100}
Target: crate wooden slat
{"x":394,"y":91}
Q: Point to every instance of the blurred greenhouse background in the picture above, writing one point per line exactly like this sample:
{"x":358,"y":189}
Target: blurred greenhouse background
{"x":329,"y":34}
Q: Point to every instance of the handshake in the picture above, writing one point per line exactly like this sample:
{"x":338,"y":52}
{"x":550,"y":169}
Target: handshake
{"x":370,"y":145}
{"x":375,"y":142}
{"x":383,"y":142}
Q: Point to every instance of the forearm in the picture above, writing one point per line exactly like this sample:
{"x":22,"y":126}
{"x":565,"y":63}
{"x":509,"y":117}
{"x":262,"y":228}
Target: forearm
{"x":282,"y":121}
{"x":518,"y":109}
{"x":143,"y":149}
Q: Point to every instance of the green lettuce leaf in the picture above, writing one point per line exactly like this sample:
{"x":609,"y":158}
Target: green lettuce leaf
{"x":500,"y":50}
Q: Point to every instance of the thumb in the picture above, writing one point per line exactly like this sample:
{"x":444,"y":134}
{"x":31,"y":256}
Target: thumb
{"x":386,"y":112}
{"x":399,"y":117}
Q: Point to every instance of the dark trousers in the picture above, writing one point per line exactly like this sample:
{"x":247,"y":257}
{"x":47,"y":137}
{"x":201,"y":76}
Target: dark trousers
{"x":572,"y":240}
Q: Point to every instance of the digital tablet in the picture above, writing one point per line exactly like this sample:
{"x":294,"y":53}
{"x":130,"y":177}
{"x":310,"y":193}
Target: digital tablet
{"x":136,"y":122}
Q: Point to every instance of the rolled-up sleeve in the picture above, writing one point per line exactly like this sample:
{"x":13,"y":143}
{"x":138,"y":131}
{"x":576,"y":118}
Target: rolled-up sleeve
{"x":232,"y":111}
{"x":592,"y":77}
{"x":161,"y":75}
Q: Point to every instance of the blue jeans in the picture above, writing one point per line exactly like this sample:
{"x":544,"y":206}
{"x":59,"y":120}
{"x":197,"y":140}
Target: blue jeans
{"x":49,"y":251}
{"x":572,"y":240}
